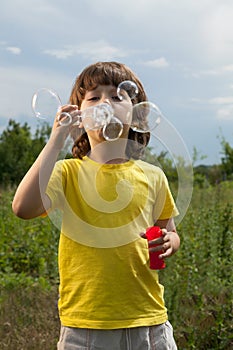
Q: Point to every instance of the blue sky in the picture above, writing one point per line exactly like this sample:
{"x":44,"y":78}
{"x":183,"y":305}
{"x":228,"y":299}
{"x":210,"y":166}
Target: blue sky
{"x":181,"y":50}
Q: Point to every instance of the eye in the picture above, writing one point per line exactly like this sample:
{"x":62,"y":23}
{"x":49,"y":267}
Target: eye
{"x":116,"y":98}
{"x":93,"y":98}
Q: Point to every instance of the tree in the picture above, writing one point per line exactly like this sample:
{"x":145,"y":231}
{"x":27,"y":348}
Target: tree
{"x":163,"y":161}
{"x":18,"y":150}
{"x":227,"y":159}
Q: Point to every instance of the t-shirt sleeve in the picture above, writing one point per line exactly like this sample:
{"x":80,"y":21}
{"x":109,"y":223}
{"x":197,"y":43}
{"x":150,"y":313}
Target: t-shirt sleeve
{"x":55,"y":188}
{"x":164,"y":207}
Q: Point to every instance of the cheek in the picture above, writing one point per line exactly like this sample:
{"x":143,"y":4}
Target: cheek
{"x":82,"y":106}
{"x":124,"y":113}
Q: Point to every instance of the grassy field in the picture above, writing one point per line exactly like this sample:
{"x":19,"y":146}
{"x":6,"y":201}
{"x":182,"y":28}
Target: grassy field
{"x":197,"y":280}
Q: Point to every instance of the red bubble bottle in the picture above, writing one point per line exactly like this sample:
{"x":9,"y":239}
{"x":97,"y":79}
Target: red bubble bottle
{"x":155,"y":262}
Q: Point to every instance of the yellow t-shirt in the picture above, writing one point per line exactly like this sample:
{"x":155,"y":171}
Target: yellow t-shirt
{"x":105,"y":279}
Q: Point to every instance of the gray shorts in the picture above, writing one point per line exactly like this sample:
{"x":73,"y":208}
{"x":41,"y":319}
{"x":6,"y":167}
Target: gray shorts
{"x":140,"y":338}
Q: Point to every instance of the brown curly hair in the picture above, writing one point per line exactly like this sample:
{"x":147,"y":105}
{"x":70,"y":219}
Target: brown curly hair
{"x":106,"y":73}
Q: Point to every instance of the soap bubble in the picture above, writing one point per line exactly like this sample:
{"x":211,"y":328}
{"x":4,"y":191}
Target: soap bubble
{"x":113,"y":129}
{"x":96,"y":117}
{"x":146,"y":117}
{"x":45,"y":104}
{"x":102,"y":116}
{"x":129,"y":87}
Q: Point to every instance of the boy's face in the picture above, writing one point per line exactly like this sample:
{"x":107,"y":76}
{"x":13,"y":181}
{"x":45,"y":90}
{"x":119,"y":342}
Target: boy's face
{"x":122,"y":107}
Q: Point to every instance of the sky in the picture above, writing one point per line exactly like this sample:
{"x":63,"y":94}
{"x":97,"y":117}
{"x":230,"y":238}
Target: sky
{"x":181,"y":50}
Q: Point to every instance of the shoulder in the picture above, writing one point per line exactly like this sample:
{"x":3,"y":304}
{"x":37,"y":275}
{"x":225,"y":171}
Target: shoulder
{"x":68,"y":163}
{"x":154,"y":173}
{"x":148,"y":167}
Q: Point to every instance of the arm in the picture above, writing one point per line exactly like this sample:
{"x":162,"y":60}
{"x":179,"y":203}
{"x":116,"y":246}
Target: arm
{"x":30,"y":199}
{"x":170,"y":241}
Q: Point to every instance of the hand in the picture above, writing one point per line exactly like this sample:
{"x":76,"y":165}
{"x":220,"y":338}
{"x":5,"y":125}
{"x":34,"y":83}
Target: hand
{"x":168,"y":243}
{"x":67,"y":118}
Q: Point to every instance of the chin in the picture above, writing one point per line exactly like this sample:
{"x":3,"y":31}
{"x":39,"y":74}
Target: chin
{"x":96,"y":134}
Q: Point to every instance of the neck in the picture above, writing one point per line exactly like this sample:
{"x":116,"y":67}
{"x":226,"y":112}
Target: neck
{"x":109,"y":152}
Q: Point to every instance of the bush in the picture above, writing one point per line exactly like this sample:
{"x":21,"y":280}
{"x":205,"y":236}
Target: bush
{"x":198,"y":279}
{"x":28,"y":247}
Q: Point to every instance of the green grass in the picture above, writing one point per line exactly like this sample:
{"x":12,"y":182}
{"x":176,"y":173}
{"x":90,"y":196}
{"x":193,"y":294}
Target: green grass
{"x":197,"y":280}
{"x":29,"y":318}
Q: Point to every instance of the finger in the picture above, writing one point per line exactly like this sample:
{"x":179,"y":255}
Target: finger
{"x":69,"y":118}
{"x":64,"y":118}
{"x":164,"y":231}
{"x":163,"y":247}
{"x":142,"y":234}
{"x":166,"y":237}
{"x":156,"y":248}
{"x":166,"y":254}
{"x":76,"y":117}
{"x":68,"y":108}
{"x":156,"y":241}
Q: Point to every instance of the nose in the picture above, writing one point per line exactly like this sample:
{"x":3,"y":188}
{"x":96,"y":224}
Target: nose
{"x":106,"y":100}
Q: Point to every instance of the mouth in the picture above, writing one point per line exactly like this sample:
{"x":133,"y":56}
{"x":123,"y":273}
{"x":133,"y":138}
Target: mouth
{"x":113,"y":130}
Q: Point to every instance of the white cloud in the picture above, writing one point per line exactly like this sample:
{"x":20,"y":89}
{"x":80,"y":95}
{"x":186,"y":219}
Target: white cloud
{"x":228,"y":68}
{"x":221,"y":100}
{"x":60,"y":53}
{"x":216,"y":71}
{"x":217,"y":29}
{"x":225,"y":113}
{"x":210,"y":72}
{"x":14,"y":50}
{"x":157,"y":63}
{"x":195,"y":100}
{"x":99,"y":50}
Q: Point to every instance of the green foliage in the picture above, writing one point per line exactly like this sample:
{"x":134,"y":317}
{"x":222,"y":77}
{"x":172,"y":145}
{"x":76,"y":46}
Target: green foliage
{"x":163,"y":161}
{"x":28,"y":281}
{"x":28,"y":248}
{"x":227,"y":159}
{"x":198,"y":279}
{"x":205,"y":175}
{"x":18,"y":150}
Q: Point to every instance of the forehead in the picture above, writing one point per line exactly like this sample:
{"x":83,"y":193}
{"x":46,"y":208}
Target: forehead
{"x":103,"y":88}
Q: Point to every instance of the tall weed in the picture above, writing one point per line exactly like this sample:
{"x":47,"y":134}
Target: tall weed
{"x":198,"y":279}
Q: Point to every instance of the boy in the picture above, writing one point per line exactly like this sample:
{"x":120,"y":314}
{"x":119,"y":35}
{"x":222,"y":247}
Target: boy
{"x":109,"y":297}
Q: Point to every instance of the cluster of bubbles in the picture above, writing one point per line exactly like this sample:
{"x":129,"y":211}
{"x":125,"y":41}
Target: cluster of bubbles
{"x":146,"y":115}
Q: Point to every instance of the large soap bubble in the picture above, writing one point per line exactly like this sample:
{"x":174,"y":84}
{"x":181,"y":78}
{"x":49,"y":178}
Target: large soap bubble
{"x":146,"y":117}
{"x":46,"y":103}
